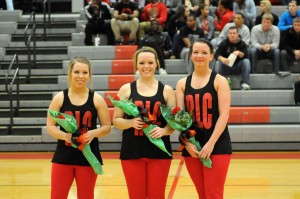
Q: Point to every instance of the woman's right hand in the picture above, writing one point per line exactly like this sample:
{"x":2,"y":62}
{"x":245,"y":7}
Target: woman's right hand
{"x":192,"y":149}
{"x":137,"y":123}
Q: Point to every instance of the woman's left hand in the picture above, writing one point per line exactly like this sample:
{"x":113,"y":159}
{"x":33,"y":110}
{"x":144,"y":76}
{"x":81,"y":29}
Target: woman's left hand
{"x":89,"y":136}
{"x":206,"y":151}
{"x":157,"y":132}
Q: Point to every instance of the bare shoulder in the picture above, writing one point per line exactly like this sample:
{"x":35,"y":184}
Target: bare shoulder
{"x":58,"y":96}
{"x":220,"y":82}
{"x":124,"y":91}
{"x":181,"y":83}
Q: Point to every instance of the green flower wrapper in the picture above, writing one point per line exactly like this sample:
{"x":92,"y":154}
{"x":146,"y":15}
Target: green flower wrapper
{"x":189,"y":136}
{"x":128,"y":107}
{"x":206,"y":162}
{"x":68,"y":122}
{"x":176,"y":117}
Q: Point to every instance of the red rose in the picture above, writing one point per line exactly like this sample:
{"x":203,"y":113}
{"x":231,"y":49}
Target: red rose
{"x":116,"y":98}
{"x":175,"y":110}
{"x":61,"y":116}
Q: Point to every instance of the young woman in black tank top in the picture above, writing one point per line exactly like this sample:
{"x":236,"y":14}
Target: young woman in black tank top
{"x":207,"y":96}
{"x":86,"y":106}
{"x":145,"y":166}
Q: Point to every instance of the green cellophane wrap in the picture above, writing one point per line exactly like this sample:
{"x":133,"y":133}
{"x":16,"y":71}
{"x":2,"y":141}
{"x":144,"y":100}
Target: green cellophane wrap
{"x":180,"y":122}
{"x":206,"y":162}
{"x":156,"y":141}
{"x":127,"y":106}
{"x":69,"y":124}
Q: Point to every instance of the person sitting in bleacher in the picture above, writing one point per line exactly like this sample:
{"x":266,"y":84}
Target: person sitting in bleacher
{"x":223,"y":14}
{"x":152,"y":11}
{"x":243,"y":30}
{"x":232,"y":57}
{"x":205,"y":21}
{"x":247,"y":7}
{"x":187,"y":35}
{"x":266,"y":7}
{"x":286,"y":18}
{"x":98,"y":16}
{"x":125,"y":20}
{"x":265,"y":39}
{"x":291,"y":51}
{"x":160,"y":42}
{"x":177,"y":20}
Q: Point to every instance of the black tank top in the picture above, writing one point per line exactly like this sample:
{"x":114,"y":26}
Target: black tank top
{"x":86,"y":116}
{"x":203,"y":103}
{"x":135,"y":143}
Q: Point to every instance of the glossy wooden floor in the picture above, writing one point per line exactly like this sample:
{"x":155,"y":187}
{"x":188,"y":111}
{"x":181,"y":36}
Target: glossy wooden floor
{"x":251,"y":176}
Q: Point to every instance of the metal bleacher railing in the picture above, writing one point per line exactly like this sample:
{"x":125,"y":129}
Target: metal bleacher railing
{"x":47,"y":23}
{"x":28,"y":38}
{"x":9,"y":90}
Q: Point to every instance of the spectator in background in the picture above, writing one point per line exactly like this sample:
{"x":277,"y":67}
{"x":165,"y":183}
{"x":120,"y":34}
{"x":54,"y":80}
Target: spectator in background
{"x":125,"y":20}
{"x":98,"y":16}
{"x":172,"y":6}
{"x":9,"y":5}
{"x":193,"y":5}
{"x":266,"y":7}
{"x":223,"y":14}
{"x":247,"y":7}
{"x":233,"y":45}
{"x":177,"y":20}
{"x":205,"y":21}
{"x":291,"y":51}
{"x":286,"y":18}
{"x":187,"y":35}
{"x":265,"y":42}
{"x":153,"y":11}
{"x":243,"y":30}
{"x":160,"y":42}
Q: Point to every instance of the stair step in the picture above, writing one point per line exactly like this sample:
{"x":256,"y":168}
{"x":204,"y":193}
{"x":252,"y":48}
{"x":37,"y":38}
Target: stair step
{"x":27,"y":131}
{"x":39,"y":37}
{"x":28,"y":113}
{"x":39,"y":50}
{"x":38,"y":57}
{"x":40,"y":64}
{"x":38,"y":71}
{"x":34,"y":80}
{"x":27,"y":104}
{"x":50,"y":30}
{"x":24,"y":121}
{"x":27,"y":96}
{"x":54,"y":24}
{"x":34,"y":87}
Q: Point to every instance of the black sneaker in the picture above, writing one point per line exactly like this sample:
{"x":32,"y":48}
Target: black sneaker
{"x":131,"y":42}
{"x":118,"y":42}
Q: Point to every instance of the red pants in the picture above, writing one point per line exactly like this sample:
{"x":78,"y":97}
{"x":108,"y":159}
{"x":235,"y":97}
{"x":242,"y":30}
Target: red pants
{"x":146,"y":178}
{"x":209,"y":182}
{"x":62,"y":177}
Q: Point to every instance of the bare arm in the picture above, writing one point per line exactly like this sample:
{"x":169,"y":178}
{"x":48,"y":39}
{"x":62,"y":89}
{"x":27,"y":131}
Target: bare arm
{"x":223,"y":92}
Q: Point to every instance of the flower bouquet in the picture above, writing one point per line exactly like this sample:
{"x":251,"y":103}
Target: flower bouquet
{"x":176,"y":117}
{"x":68,"y":122}
{"x":128,"y":107}
{"x":189,"y":136}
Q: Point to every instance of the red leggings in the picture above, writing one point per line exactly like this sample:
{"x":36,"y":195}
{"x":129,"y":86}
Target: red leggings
{"x":146,"y":178}
{"x":62,"y":177}
{"x":209,"y":182}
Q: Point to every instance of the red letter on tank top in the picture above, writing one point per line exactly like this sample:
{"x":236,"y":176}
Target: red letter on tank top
{"x":207,"y":104}
{"x":198,"y":111}
{"x":190,"y":105}
{"x":87,"y":119}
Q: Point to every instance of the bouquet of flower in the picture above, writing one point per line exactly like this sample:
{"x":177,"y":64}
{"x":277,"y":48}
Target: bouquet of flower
{"x":128,"y":107}
{"x":68,"y":122}
{"x":189,"y":136}
{"x":176,"y":117}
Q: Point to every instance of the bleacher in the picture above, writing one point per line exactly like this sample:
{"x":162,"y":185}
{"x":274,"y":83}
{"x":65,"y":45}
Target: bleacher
{"x":263,"y":118}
